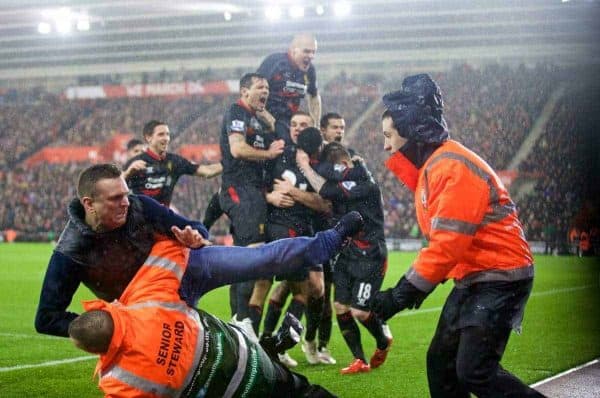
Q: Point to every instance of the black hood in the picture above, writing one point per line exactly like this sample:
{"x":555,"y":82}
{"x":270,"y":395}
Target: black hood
{"x":416,"y":110}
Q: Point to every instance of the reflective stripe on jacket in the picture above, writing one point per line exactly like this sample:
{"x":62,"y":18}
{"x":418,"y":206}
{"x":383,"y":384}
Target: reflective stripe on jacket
{"x":471,"y":223}
{"x":158,"y":339}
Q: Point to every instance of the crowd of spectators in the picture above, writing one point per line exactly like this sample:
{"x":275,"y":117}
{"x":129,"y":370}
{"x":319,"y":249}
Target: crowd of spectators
{"x":103,"y":118}
{"x":490,"y":110}
{"x":35,"y":198}
{"x":560,"y":164}
{"x":30,"y":122}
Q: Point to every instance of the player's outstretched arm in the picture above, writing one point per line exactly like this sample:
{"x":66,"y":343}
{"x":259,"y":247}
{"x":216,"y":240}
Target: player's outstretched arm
{"x":209,"y":170}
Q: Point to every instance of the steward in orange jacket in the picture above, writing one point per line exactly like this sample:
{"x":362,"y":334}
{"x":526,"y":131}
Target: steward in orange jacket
{"x":151,"y":344}
{"x":475,"y":238}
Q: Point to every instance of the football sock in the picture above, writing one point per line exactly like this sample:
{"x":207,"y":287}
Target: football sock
{"x":326,"y":318}
{"x":373,"y":325}
{"x":233,"y":298}
{"x":272,"y":317}
{"x":314,"y":310}
{"x":255,"y":313}
{"x":351,"y":334}
{"x":244,"y":291}
{"x":296,"y":308}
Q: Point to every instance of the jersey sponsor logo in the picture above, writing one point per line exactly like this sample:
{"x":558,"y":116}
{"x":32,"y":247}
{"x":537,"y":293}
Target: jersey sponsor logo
{"x":348,"y":185}
{"x":237,"y":125}
{"x":290,"y":176}
{"x":255,"y":124}
{"x":155,"y":183}
{"x":295,"y":88}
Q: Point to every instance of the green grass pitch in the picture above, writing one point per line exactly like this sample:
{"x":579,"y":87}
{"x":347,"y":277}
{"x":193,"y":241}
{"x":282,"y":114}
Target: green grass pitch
{"x":561,"y":330}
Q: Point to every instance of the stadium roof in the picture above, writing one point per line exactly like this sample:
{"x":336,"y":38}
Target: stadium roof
{"x":89,"y":37}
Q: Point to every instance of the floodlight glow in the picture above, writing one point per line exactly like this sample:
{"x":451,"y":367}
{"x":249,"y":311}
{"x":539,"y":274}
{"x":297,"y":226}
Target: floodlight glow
{"x":44,"y":28}
{"x":273,"y":13}
{"x":342,"y":9}
{"x":296,"y":12}
{"x":83,"y":24}
{"x":63,"y":19}
{"x":63,"y":25}
{"x":320,"y":10}
{"x":227,"y":16}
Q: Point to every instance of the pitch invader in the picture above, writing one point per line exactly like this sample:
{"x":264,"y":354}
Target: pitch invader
{"x":361,"y":266}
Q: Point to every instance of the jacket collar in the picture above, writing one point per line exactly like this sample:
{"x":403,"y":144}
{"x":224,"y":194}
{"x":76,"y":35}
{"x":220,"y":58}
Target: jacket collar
{"x":404,"y":169}
{"x":77,"y":217}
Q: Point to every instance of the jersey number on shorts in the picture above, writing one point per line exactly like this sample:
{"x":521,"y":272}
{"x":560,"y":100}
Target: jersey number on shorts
{"x":364,"y":293}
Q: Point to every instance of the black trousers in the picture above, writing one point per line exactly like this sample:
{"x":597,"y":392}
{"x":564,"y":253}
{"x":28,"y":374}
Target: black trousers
{"x":472,"y":333}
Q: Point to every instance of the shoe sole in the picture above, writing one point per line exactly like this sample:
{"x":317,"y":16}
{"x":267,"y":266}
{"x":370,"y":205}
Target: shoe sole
{"x":355,"y":373}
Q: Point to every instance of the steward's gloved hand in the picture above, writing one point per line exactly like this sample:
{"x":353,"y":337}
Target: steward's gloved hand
{"x":404,"y":295}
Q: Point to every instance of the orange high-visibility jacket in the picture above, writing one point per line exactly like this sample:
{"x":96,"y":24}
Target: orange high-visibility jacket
{"x":471,"y":223}
{"x":158,"y":339}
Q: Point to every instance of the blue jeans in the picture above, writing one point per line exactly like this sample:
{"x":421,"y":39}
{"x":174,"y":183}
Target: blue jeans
{"x":215,"y":266}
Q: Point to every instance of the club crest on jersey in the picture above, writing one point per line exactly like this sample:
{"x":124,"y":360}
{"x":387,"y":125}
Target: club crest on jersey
{"x":237,"y":125}
{"x":259,"y":142}
{"x":339,"y":167}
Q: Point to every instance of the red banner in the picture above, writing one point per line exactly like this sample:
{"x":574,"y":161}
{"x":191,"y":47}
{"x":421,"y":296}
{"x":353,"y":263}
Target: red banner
{"x":115,"y":149}
{"x":66,"y":154}
{"x":178,"y":89}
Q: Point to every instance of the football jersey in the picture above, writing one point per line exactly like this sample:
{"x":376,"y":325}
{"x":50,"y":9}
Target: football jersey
{"x":360,"y":193}
{"x":159,"y":177}
{"x":298,"y":216}
{"x":240,"y":120}
{"x":287,"y":84}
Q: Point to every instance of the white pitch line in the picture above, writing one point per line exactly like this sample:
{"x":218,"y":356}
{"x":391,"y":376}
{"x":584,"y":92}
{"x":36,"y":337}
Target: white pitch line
{"x":566,"y":372}
{"x":563,"y":290}
{"x":29,"y":336}
{"x":49,"y":363}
